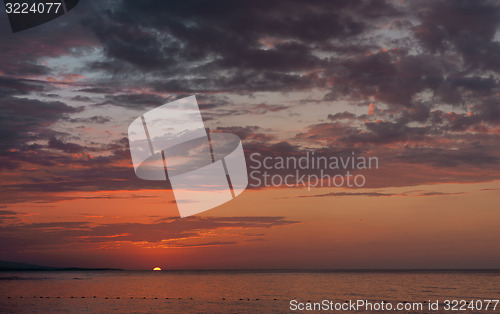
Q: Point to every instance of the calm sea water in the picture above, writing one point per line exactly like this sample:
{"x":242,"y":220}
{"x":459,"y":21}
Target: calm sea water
{"x":230,"y":291}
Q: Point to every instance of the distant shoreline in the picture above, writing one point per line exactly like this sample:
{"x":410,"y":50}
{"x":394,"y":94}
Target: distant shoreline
{"x":15,"y":266}
{"x":56,"y":269}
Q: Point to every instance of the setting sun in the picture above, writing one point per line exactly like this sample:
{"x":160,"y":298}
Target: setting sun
{"x":157,"y":268}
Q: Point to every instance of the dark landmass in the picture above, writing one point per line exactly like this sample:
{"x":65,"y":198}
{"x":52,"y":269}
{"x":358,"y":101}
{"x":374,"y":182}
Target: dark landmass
{"x":13,"y":266}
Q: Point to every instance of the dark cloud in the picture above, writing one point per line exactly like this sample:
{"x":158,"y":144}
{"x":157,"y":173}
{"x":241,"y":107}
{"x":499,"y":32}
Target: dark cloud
{"x":393,"y":77}
{"x":93,"y":119}
{"x":248,"y":46}
{"x":386,"y":132}
{"x":248,"y":133}
{"x":69,"y":166}
{"x":71,"y":148}
{"x":376,"y":194}
{"x":98,"y":90}
{"x":174,"y":232}
{"x":140,"y":101}
{"x":328,"y":133}
{"x":342,"y":115}
{"x":25,"y":119}
{"x":7,"y":215}
{"x":218,"y":109}
{"x":382,"y":194}
{"x":15,"y":87}
{"x":467,"y":27}
{"x":81,"y":98}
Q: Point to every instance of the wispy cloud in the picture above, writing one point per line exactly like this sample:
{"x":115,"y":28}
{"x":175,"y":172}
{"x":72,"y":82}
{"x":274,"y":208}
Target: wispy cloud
{"x":164,"y":232}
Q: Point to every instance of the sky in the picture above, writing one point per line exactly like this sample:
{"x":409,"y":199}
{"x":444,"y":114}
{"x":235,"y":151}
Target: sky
{"x":414,"y":84}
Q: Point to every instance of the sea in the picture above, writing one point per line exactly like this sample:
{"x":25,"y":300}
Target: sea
{"x":235,"y":291}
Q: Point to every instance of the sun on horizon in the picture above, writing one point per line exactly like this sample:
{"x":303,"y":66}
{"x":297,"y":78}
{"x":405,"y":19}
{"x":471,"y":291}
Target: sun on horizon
{"x":156,"y":268}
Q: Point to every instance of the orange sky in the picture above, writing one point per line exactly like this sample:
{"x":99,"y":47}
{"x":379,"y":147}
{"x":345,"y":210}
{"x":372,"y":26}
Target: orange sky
{"x":456,"y":228}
